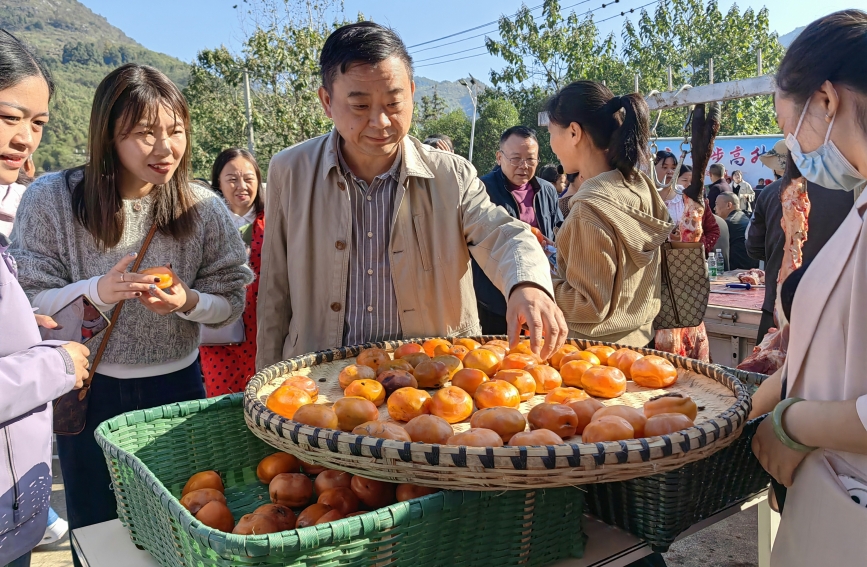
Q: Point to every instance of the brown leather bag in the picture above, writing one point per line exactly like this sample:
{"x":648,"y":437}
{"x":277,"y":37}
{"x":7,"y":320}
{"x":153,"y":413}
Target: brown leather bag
{"x":70,"y":409}
{"x":685,"y":286}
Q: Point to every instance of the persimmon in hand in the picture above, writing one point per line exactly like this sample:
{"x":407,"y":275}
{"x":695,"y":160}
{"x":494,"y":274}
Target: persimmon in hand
{"x":164,"y":273}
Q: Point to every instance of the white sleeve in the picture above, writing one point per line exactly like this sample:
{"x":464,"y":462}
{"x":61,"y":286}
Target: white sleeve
{"x":50,"y":301}
{"x":210,"y":310}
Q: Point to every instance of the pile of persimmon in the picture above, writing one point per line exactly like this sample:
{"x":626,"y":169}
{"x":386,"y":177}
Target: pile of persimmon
{"x":301,"y":495}
{"x":429,"y":386}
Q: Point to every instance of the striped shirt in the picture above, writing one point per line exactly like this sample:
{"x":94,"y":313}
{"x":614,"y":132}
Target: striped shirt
{"x":371,"y":306}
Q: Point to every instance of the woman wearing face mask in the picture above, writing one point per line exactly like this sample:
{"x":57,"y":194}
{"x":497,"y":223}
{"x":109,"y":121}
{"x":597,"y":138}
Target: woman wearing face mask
{"x":815,"y":441}
{"x":608,"y":247}
{"x":236,"y":176}
{"x":77,"y":232}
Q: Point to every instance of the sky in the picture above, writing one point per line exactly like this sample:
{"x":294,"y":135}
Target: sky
{"x":183,"y":27}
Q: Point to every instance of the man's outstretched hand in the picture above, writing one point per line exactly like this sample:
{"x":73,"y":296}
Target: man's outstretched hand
{"x":530,"y":305}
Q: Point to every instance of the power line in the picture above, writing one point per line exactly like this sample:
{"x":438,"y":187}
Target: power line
{"x":470,"y":29}
{"x":453,"y":53}
{"x":450,"y":60}
{"x":630,"y":11}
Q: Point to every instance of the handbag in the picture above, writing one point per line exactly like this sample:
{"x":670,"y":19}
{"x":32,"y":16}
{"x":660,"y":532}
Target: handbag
{"x":685,"y":286}
{"x":231,"y":334}
{"x":70,"y":409}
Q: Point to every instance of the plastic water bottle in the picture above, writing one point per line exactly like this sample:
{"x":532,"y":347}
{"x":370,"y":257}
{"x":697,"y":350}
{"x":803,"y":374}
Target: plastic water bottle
{"x":720,"y":262}
{"x":712,"y":267}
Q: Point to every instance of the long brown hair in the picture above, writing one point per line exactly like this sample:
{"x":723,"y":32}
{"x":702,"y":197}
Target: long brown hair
{"x":126,"y":96}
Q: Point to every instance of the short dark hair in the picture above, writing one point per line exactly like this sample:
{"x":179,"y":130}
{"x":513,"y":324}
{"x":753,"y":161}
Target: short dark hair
{"x":224,"y":158}
{"x":520,"y":131}
{"x":684,"y":168}
{"x":717,"y":169}
{"x":663,"y":155}
{"x":17,"y":62}
{"x":366,"y":43}
{"x":549,"y":173}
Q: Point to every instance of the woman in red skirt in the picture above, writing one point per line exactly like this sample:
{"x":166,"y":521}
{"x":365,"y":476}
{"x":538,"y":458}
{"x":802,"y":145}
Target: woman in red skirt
{"x":236,"y":176}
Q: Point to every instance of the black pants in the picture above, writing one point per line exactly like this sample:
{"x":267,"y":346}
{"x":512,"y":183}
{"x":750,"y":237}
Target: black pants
{"x":492,"y":324}
{"x":23,"y":561}
{"x":89,"y":497}
{"x":766,"y":323}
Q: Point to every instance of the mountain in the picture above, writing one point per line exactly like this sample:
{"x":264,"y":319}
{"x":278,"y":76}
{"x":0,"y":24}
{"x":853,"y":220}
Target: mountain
{"x":79,"y":48}
{"x":786,"y":40}
{"x":454,"y":93}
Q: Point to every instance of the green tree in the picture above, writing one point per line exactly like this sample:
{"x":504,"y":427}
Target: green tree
{"x":496,"y":114}
{"x":431,"y":107}
{"x":455,"y":125}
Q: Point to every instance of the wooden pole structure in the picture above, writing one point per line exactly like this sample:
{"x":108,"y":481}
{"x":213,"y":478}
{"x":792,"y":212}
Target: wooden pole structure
{"x":636,"y":83}
{"x":670,"y":79}
{"x":710,"y":70}
{"x":759,"y":63}
{"x":732,"y":90}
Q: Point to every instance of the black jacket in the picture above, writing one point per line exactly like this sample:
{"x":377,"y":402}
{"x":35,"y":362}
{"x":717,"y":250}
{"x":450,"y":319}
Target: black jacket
{"x":714,"y":189}
{"x":765,"y":237}
{"x":737,"y":223}
{"x":548,"y":216}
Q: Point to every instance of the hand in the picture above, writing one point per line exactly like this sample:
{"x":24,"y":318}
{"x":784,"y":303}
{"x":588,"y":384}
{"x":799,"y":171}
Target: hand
{"x":118,"y":284}
{"x":177,"y":297}
{"x":531,"y":305}
{"x":79,"y":354}
{"x":46,"y":322}
{"x":776,"y":458}
{"x":442,"y":145}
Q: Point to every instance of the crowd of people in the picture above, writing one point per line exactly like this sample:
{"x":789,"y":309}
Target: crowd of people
{"x":368,"y":234}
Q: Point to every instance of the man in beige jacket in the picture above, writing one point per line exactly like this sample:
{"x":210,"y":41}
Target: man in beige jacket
{"x":369,"y":233}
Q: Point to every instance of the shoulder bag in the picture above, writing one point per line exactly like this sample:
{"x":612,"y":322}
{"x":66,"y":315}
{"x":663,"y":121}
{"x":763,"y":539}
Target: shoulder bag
{"x":685,"y":286}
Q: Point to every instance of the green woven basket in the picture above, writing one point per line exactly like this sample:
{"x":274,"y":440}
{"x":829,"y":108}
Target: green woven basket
{"x":660,"y":507}
{"x":151,"y":454}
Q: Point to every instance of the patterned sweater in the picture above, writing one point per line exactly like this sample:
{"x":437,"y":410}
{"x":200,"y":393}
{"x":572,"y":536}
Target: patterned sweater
{"x":53,"y":250}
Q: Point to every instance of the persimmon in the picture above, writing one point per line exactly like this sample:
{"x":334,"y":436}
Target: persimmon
{"x":468,"y":344}
{"x":303,"y":383}
{"x":195,"y":500}
{"x":538,"y":234}
{"x":671,"y":403}
{"x":393,"y":380}
{"x":328,"y":479}
{"x":581,"y":355}
{"x":634,"y":416}
{"x":291,"y":489}
{"x":469,"y":379}
{"x":367,"y":389}
{"x":535,"y":438}
{"x":283,"y":516}
{"x":608,"y":428}
{"x":382,"y":430}
{"x":602,"y":352}
{"x":546,"y":378}
{"x":559,"y":418}
{"x":560,"y":395}
{"x":518,"y":361}
{"x":407,"y":491}
{"x":622,"y":359}
{"x":204,"y":479}
{"x":317,"y":415}
{"x":520,"y":379}
{"x":396,"y":364}
{"x":277,"y":463}
{"x":452,"y":404}
{"x":431,"y":374}
{"x":373,"y":493}
{"x":407,"y":403}
{"x":584,"y":410}
{"x":405,"y":349}
{"x":429,"y":429}
{"x":483,"y":359}
{"x":523,"y":347}
{"x":286,"y":400}
{"x":164,"y":273}
{"x":556,"y":359}
{"x":459,"y":351}
{"x":666,"y":424}
{"x":653,"y":372}
{"x":604,"y":382}
{"x":355,"y":372}
{"x":476,"y":437}
{"x":342,"y":499}
{"x":216,"y":515}
{"x":311,"y":514}
{"x":498,"y":342}
{"x":506,"y":422}
{"x":497,"y":393}
{"x":255,"y":524}
{"x":372,"y":357}
{"x":572,"y":371}
{"x":416,"y":358}
{"x":498,"y":351}
{"x":430,"y":346}
{"x":310,"y":468}
{"x":330,"y":516}
{"x":442,"y":349}
{"x":450,"y":361}
{"x":353,"y":411}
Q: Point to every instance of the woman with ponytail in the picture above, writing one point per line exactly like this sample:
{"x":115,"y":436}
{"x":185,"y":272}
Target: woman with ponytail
{"x":608,"y":248}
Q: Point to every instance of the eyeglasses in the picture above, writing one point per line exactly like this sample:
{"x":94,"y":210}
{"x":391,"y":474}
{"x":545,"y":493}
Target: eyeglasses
{"x":518,"y":162}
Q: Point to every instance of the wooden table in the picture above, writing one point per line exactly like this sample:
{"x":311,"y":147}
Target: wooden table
{"x":732,"y":320}
{"x":108,"y":544}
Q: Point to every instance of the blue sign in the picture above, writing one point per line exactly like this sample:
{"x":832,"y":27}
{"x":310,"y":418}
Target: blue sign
{"x":733,"y":152}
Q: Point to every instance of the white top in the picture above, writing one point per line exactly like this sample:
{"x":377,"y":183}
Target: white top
{"x":675,"y":207}
{"x":239,"y":220}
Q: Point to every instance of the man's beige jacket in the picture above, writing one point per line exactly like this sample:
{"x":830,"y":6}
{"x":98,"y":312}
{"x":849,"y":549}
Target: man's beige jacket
{"x":444,"y":217}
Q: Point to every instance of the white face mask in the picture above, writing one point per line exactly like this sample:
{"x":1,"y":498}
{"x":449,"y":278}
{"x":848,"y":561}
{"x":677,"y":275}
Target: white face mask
{"x":825,"y":166}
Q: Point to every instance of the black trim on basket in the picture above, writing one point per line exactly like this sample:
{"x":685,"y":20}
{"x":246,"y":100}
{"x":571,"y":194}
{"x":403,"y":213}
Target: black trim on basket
{"x":376,"y":450}
{"x":355,"y":448}
{"x":293,"y":433}
{"x":433,"y":457}
{"x":520,"y":462}
{"x":599,"y":457}
{"x":406,"y":453}
{"x":313,"y":440}
{"x":487,"y":459}
{"x":574,"y":459}
{"x":550,"y":461}
{"x":460,"y":458}
{"x":702,"y":438}
{"x":685,"y":445}
{"x":278,"y":427}
{"x":331,"y":441}
{"x":645,"y":449}
{"x":623,"y":454}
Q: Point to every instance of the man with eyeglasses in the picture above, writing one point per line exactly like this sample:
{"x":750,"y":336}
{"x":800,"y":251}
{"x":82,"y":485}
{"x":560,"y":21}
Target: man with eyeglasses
{"x":513,"y":185}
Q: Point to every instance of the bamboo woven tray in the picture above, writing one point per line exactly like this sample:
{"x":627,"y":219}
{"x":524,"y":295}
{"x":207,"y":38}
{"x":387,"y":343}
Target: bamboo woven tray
{"x":723,"y":401}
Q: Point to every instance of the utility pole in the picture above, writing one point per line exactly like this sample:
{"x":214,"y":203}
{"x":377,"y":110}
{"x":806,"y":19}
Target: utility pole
{"x":710,"y":70}
{"x":475,"y":110}
{"x":670,"y":79}
{"x":759,"y":63}
{"x":249,"y":106}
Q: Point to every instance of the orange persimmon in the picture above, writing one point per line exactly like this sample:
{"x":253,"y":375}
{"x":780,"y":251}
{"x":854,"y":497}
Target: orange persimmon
{"x":671,"y":403}
{"x":546,"y":378}
{"x":556,"y":359}
{"x":286,"y":400}
{"x":506,"y":422}
{"x":372,"y":357}
{"x":407,"y":403}
{"x":560,"y":395}
{"x":559,"y":418}
{"x":317,"y":415}
{"x":608,"y":428}
{"x":604,"y":382}
{"x":304,"y":383}
{"x":383,"y":430}
{"x":572,"y":371}
{"x":430,"y":346}
{"x":602,"y":352}
{"x":452,"y":404}
{"x":476,"y":437}
{"x":483,"y":359}
{"x":497,"y":393}
{"x":405,"y":349}
{"x":653,"y":372}
{"x":353,"y":411}
{"x":584,"y":410}
{"x":535,"y":438}
{"x":469,"y":379}
{"x":429,"y":429}
{"x":520,"y":379}
{"x":355,"y":372}
{"x":666,"y":423}
{"x":622,"y":359}
{"x":367,"y":389}
{"x":634,"y":416}
{"x":580,"y":355}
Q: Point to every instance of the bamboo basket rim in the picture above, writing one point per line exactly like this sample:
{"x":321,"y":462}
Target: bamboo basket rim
{"x":494,"y":468}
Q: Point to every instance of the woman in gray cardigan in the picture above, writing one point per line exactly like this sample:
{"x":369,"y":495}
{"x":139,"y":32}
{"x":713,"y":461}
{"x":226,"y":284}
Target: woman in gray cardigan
{"x":77,"y":233}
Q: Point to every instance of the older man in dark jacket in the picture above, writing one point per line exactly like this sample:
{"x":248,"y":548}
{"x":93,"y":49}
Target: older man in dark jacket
{"x":512,"y":184}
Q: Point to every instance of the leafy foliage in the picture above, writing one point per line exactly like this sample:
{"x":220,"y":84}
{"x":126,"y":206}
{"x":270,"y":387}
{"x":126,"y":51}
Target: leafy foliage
{"x":496,"y":114}
{"x":453,"y":124}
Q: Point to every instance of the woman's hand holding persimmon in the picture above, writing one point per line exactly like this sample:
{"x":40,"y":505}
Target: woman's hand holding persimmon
{"x":177,"y":297}
{"x":118,"y":284}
